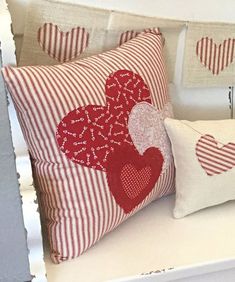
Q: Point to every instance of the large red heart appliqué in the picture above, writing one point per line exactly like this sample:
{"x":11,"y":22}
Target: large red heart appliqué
{"x":215,"y":57}
{"x":214,"y":159}
{"x":131,"y":177}
{"x":62,"y":46}
{"x":87,"y":135}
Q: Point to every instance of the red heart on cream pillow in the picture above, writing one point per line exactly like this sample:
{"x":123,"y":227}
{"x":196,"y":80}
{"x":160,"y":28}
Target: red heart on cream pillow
{"x":214,"y":158}
{"x":204,"y":156}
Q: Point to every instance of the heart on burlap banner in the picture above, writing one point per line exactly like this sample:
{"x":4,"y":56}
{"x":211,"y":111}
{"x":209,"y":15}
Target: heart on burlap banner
{"x":215,"y":57}
{"x":60,"y":45}
{"x":59,"y":31}
{"x":209,"y":55}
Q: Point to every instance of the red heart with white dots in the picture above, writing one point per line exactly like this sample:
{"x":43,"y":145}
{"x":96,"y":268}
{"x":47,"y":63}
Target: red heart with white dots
{"x":87,"y":135}
{"x":131,"y":177}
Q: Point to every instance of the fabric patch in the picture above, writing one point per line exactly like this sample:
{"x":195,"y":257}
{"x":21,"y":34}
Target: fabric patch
{"x":62,"y":46}
{"x":131,"y":177}
{"x":213,"y":158}
{"x":209,"y":55}
{"x":147,"y":129}
{"x":215,"y":57}
{"x":88,"y":134}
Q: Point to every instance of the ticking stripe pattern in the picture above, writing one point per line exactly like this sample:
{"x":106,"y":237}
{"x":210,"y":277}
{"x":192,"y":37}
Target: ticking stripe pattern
{"x":213,"y":158}
{"x":62,"y":46}
{"x":130,"y":34}
{"x":78,"y":207}
{"x":215,"y":57}
{"x":127,"y":35}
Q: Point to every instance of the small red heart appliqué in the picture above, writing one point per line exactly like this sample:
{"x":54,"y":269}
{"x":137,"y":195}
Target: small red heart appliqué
{"x":62,"y":46}
{"x":215,"y":159}
{"x":88,"y":135}
{"x":131,"y":177}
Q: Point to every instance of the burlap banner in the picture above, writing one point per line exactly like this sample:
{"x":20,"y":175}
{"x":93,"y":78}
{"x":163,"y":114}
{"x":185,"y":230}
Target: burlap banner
{"x":58,"y":32}
{"x":52,"y":29}
{"x":124,"y":23}
{"x":209,"y":55}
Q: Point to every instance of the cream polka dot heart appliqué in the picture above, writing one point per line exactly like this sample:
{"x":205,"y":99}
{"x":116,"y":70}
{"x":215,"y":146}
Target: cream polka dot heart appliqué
{"x":147,"y":130}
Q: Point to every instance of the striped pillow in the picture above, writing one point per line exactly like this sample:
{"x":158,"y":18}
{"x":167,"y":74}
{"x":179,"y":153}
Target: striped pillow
{"x":204,"y":154}
{"x":93,"y":167}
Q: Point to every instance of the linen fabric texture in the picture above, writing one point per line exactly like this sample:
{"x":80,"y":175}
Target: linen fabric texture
{"x":92,"y":168}
{"x":204,"y":156}
{"x":54,"y":29}
{"x":209,"y":55}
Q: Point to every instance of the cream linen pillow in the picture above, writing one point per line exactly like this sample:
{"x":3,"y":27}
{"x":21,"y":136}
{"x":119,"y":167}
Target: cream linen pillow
{"x":204,"y":156}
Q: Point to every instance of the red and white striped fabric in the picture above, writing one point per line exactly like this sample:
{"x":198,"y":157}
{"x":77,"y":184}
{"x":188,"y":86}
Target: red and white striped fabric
{"x":130,"y":34}
{"x":127,"y":35}
{"x":62,"y":46}
{"x":76,"y":201}
{"x":213,"y":158}
{"x":215,"y":57}
{"x":204,"y":156}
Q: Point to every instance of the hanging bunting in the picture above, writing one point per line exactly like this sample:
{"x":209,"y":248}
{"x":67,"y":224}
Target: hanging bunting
{"x":57,"y":32}
{"x":81,"y":31}
{"x":124,"y":26}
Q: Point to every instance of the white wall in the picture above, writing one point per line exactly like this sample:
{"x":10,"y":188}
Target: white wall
{"x":188,"y":103}
{"x":205,"y":10}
